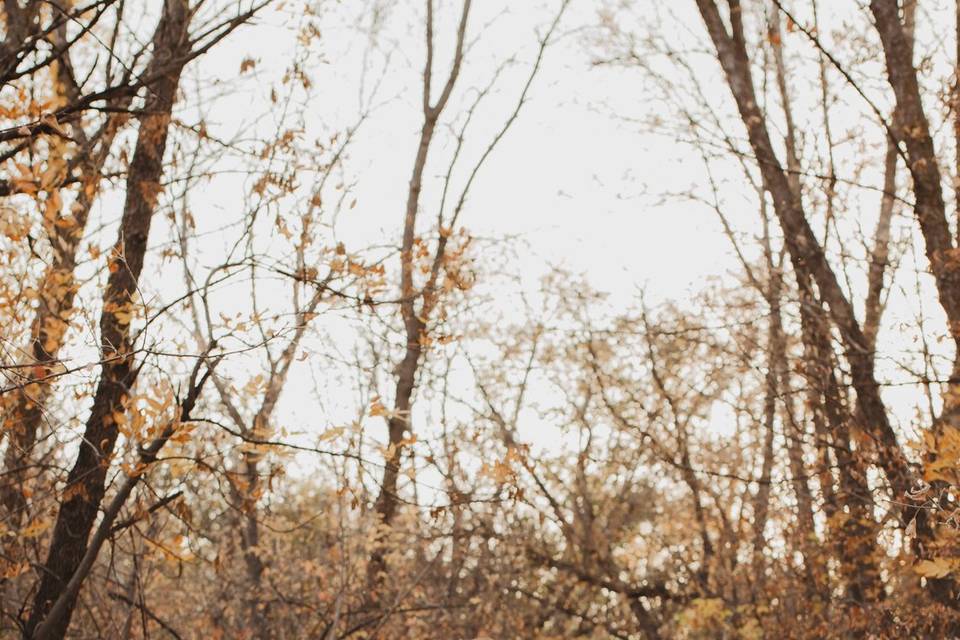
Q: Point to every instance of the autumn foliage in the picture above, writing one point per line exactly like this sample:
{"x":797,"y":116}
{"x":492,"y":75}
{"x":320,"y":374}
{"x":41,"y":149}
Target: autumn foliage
{"x":262,"y":377}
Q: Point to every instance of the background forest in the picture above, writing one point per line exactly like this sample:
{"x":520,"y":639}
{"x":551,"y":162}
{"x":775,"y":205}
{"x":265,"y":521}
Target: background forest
{"x":479,"y":319}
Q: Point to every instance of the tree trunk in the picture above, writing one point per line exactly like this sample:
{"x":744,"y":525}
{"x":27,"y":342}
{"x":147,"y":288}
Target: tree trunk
{"x":806,"y":254}
{"x":414,"y":320}
{"x":86,"y":481}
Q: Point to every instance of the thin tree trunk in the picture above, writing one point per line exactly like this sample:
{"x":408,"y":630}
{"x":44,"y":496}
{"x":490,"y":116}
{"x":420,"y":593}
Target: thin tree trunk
{"x":806,"y":254}
{"x":852,"y":529}
{"x":775,"y":340}
{"x":914,"y":132}
{"x":86,"y":481}
{"x":956,"y":123}
{"x":795,"y":440}
{"x":912,"y":128}
{"x":761,"y":501}
{"x":873,"y":308}
{"x":414,"y":320}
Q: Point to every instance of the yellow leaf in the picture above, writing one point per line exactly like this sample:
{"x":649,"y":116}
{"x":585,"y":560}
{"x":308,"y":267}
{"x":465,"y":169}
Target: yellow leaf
{"x":331,"y":433}
{"x":14,"y":570}
{"x":936,"y":568}
{"x":35,"y":528}
{"x":377,"y":408}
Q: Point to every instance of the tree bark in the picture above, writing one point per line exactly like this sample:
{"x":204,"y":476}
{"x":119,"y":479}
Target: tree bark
{"x":913,"y":129}
{"x":806,"y":254}
{"x":86,"y":482}
{"x":23,"y":408}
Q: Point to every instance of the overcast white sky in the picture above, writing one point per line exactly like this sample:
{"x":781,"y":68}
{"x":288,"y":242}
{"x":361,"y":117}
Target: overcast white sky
{"x":569,"y":186}
{"x":579,"y":181}
{"x":569,"y":178}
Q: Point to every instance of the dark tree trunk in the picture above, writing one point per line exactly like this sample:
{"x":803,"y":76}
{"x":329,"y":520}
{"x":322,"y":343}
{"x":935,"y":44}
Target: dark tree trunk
{"x":86,"y":482}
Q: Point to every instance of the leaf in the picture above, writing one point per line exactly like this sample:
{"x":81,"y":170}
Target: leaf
{"x":331,"y":433}
{"x":937,"y":568}
{"x":35,"y":528}
{"x":14,"y":570}
{"x":377,"y":408}
{"x":51,"y":121}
